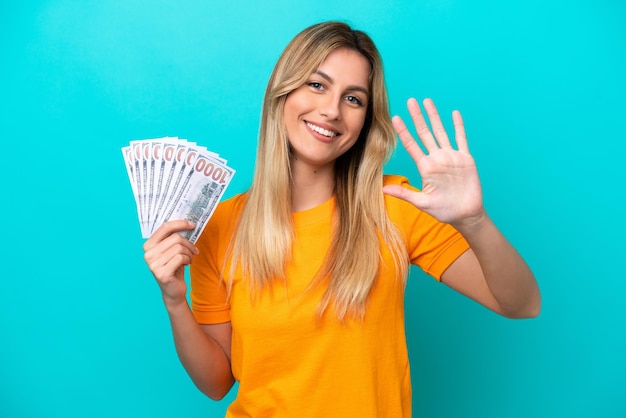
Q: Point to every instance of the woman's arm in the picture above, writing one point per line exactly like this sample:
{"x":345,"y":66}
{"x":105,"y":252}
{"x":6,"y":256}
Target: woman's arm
{"x":491,"y":272}
{"x":204,"y":350}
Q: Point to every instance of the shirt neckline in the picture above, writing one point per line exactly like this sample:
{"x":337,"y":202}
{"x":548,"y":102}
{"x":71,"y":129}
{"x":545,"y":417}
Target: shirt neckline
{"x":314,"y":215}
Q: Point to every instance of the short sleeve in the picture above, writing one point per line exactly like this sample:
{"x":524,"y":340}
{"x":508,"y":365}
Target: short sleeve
{"x":431,"y":245}
{"x":209,"y":295}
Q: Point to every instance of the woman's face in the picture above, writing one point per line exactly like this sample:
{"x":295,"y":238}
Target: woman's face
{"x":324,"y":116}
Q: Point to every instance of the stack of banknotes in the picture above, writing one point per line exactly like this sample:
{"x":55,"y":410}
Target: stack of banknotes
{"x":173,"y":178}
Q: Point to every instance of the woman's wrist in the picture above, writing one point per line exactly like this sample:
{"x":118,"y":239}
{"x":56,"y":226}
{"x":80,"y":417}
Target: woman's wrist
{"x":474,"y":225}
{"x":175,"y":305}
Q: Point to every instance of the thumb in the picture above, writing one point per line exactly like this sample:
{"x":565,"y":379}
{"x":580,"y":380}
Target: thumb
{"x":417,"y":199}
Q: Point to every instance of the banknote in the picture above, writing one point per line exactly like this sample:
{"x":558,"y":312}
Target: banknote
{"x":202,"y":187}
{"x":163,"y":156}
{"x":177,"y":150}
{"x":172,"y":178}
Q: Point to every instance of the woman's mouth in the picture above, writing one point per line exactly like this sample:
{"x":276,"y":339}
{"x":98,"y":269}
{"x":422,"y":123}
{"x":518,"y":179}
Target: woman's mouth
{"x":321,"y":131}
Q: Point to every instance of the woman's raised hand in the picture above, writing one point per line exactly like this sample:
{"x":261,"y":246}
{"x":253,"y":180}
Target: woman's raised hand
{"x":167,"y":253}
{"x":451,"y":190}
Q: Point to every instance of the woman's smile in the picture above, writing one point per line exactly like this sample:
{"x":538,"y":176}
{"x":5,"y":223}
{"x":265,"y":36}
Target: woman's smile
{"x":324,"y":133}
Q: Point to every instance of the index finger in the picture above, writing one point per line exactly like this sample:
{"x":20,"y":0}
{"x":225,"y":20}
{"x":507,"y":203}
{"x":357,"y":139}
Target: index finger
{"x":406,"y":138}
{"x":167,"y":229}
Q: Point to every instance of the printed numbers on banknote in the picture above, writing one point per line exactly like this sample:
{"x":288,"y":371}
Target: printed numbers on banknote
{"x":173,"y":178}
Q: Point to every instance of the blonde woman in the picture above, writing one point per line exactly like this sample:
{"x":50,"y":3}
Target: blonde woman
{"x":297,"y":286}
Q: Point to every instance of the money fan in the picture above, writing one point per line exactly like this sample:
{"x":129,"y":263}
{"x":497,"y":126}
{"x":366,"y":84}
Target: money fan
{"x":173,"y":178}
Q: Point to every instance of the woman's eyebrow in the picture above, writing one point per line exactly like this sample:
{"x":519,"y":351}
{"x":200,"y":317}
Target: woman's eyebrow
{"x":349,"y":88}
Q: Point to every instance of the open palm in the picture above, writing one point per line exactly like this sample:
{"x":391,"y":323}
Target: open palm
{"x":451,"y":190}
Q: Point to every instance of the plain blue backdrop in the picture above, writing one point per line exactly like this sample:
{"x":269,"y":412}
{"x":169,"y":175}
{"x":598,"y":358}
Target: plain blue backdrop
{"x":540,"y":84}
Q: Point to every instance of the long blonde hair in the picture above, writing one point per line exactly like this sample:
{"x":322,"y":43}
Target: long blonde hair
{"x":263,"y":239}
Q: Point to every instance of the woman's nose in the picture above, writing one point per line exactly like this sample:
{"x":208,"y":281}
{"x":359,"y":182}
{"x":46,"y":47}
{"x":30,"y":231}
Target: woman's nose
{"x":330,"y":107}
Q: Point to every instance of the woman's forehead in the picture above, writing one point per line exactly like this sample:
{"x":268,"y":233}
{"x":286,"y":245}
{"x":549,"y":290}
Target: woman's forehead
{"x":346,"y":66}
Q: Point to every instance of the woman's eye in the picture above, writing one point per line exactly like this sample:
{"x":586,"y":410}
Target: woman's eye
{"x":316,"y":85}
{"x":354,"y":100}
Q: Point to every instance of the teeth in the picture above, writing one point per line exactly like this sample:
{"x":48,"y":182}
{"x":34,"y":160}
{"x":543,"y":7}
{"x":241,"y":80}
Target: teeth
{"x":322,"y":131}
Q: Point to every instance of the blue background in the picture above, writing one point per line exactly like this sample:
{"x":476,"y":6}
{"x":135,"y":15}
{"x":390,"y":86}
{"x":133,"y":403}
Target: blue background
{"x":541,"y":86}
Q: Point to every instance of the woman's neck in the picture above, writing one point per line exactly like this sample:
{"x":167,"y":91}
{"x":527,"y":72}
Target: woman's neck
{"x":311,"y":186}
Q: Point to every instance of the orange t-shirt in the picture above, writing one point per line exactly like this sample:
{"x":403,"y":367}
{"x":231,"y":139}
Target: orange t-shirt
{"x":288,"y":362}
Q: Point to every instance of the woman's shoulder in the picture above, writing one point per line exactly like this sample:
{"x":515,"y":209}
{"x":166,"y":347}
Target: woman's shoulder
{"x":227,"y":212}
{"x":399,"y":209}
{"x":230,"y":207}
{"x":223,"y":220}
{"x":393,"y":179}
{"x":234,"y":201}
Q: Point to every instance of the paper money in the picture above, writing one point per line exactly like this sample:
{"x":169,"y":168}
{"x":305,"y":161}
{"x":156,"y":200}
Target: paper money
{"x":172,"y":178}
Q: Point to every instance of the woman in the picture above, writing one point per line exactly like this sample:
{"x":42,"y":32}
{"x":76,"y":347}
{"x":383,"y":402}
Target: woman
{"x":298,"y":284}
